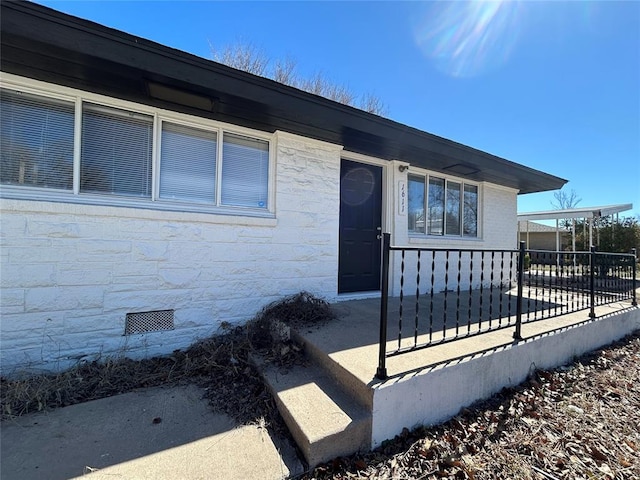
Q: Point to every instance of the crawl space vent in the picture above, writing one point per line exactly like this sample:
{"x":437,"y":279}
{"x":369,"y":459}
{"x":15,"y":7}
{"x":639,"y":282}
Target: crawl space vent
{"x":145,"y":322}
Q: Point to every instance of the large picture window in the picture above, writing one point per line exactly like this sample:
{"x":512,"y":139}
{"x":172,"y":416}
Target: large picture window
{"x":114,"y":155}
{"x":36,"y":141}
{"x":442,"y":207}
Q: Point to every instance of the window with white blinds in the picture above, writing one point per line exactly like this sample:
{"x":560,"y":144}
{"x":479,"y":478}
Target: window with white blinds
{"x":245,"y":171}
{"x":193,"y":165}
{"x":36,"y":141}
{"x":116,"y":151}
{"x":188,"y":164}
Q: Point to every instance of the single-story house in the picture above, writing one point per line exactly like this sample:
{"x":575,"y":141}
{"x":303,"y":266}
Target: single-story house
{"x":150,"y":197}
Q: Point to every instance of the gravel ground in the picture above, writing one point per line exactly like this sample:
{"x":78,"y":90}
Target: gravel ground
{"x":576,"y":422}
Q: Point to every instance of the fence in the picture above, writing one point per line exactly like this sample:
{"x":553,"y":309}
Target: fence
{"x":449,"y":294}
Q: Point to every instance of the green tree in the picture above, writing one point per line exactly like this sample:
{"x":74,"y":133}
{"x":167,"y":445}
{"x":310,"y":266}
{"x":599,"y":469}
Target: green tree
{"x":618,"y":236}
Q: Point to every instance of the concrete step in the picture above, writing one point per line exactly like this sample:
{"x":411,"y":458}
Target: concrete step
{"x":314,"y":349}
{"x":325,"y":421}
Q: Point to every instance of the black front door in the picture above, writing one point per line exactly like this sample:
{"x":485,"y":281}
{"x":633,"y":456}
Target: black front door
{"x":360,"y":221}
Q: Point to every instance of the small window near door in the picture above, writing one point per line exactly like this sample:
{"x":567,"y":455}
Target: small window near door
{"x":438,"y":206}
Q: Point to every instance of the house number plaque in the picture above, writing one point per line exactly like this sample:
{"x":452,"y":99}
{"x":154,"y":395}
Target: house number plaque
{"x":402,"y":197}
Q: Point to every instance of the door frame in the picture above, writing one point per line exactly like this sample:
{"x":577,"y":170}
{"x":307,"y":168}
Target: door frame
{"x":385,"y":210}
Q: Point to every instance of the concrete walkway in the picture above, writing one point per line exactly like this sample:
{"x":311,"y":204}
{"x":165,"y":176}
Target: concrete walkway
{"x":158,"y":433}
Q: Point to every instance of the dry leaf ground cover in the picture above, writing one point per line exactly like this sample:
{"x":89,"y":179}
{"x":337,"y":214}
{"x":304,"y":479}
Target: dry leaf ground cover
{"x":220,"y":364}
{"x":577,"y":422}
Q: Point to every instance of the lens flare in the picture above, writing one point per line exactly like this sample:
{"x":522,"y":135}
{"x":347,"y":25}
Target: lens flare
{"x":466,"y":39}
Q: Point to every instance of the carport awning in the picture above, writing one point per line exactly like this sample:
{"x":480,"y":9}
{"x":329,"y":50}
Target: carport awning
{"x":584,"y":212}
{"x":588,"y":213}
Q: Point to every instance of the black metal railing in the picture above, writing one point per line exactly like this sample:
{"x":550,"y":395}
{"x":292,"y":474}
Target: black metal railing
{"x":444,"y":295}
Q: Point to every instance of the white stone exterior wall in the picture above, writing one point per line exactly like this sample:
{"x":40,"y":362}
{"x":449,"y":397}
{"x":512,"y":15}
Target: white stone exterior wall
{"x":70,"y":273}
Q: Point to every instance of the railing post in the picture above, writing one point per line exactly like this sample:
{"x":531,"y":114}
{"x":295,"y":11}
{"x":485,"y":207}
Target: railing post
{"x":381,"y":373}
{"x":634,"y":284}
{"x":517,"y":335}
{"x":592,"y":282}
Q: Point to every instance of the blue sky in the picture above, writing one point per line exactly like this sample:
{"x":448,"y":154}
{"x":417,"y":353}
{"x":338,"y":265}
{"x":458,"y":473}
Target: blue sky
{"x":551,"y":85}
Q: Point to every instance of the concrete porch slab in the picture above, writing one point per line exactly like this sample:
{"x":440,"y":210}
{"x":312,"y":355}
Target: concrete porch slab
{"x":430,"y":385}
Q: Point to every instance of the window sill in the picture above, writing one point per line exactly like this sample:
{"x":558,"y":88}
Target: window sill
{"x":61,"y":202}
{"x":433,"y":240}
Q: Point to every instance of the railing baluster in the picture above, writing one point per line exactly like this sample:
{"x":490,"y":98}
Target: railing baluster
{"x":572,"y":281}
{"x":446,"y":290}
{"x":415,"y":333}
{"x":510,"y":286}
{"x":501,"y":290}
{"x":401,"y":300}
{"x":535,"y":316}
{"x":525,"y":253}
{"x":433,"y":270}
{"x":592,"y":282}
{"x":481,"y":290}
{"x":470,"y":291}
{"x":493,"y":253}
{"x":554,"y":281}
{"x":561,"y":286}
{"x":458,"y":292}
{"x":549,"y":285}
{"x":634,"y":261}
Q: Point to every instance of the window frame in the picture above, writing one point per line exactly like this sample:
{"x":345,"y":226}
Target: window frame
{"x":425,"y":178}
{"x":79,"y":97}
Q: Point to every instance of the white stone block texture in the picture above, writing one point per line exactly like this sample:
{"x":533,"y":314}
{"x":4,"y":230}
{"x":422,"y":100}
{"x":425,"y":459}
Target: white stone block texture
{"x":70,"y":273}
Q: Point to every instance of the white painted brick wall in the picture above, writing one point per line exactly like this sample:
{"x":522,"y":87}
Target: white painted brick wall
{"x":70,"y":273}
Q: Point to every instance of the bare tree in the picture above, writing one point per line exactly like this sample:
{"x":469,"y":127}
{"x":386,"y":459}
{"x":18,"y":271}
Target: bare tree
{"x":284,"y":71}
{"x":249,"y":58}
{"x":373,"y":104}
{"x":242,"y":56}
{"x":565,"y":200}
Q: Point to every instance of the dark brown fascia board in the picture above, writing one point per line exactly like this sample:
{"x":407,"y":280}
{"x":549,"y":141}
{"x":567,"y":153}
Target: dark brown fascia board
{"x":322,"y":117}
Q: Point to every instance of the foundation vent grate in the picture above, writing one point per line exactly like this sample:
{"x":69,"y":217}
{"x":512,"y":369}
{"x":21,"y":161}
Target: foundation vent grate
{"x":145,"y":322}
